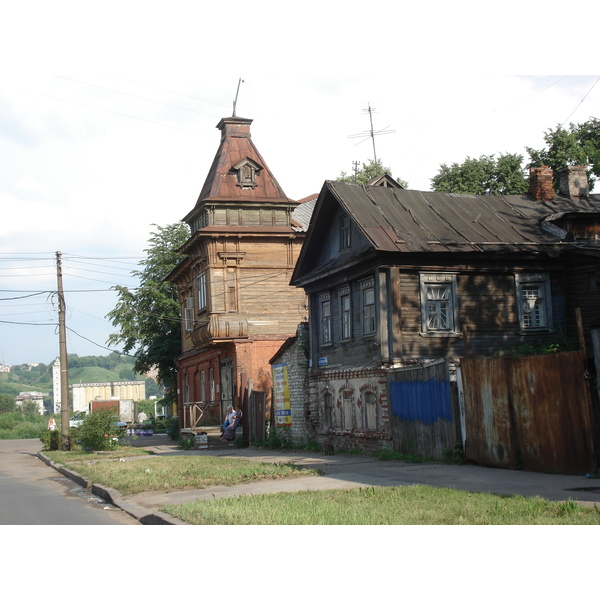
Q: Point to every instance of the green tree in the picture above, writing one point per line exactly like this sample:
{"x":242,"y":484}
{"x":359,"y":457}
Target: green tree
{"x":577,"y":145}
{"x":482,"y":176}
{"x":148,"y":317}
{"x":368,"y":172}
{"x":7,"y":403}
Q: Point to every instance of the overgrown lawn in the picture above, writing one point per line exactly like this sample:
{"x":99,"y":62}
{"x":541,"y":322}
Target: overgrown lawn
{"x":404,"y":505}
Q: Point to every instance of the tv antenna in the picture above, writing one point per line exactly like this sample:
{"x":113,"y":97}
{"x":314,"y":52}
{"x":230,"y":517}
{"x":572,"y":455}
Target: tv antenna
{"x":371,"y":132}
{"x":236,"y":95}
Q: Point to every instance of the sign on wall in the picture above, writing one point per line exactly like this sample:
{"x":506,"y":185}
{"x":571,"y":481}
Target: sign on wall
{"x":281,"y":391}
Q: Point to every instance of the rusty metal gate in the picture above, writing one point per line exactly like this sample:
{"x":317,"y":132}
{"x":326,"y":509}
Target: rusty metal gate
{"x":529,"y":412}
{"x":423,"y":410}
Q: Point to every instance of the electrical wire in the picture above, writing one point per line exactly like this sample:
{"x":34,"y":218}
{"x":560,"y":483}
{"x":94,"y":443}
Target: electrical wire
{"x":581,"y":101}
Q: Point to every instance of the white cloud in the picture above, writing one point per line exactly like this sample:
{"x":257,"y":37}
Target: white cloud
{"x":108,"y":112}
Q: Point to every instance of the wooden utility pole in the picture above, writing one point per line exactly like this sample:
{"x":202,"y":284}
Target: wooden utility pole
{"x":64,"y":367}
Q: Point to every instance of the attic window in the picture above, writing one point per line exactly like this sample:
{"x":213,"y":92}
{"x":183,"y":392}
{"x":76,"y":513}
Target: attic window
{"x":246,"y":171}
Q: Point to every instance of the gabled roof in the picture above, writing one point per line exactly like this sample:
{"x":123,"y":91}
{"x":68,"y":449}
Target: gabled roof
{"x":398,"y":220}
{"x":235,"y":152}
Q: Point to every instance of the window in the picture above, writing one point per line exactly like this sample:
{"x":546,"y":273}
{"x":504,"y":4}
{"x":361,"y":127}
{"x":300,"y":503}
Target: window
{"x":188,"y":313}
{"x":202,"y":387}
{"x":347,"y":409}
{"x":533,"y":301}
{"x":368,"y":306}
{"x":438,"y":303}
{"x":325,"y":303}
{"x":231,"y":291}
{"x":346,"y":313}
{"x":370,"y":410}
{"x":201,"y":291}
{"x":246,"y":171}
{"x":345,"y":238}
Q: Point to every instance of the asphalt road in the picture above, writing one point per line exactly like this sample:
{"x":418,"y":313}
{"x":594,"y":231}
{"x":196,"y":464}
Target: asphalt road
{"x":32,"y":493}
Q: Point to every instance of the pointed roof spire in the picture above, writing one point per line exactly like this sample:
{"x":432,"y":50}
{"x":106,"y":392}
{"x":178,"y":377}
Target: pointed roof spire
{"x":238,"y":171}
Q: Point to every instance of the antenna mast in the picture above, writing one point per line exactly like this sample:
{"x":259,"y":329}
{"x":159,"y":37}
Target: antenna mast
{"x":236,"y":95}
{"x":371,"y":132}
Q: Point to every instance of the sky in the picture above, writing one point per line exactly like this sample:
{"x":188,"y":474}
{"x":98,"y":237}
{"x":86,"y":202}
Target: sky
{"x":108,"y":115}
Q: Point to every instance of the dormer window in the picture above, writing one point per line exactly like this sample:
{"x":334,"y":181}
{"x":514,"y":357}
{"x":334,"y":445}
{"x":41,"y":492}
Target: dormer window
{"x":245,"y":172}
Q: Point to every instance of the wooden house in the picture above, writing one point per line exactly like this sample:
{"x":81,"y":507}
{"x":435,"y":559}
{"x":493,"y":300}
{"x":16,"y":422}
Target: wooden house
{"x":397,"y":278}
{"x":236,"y":302}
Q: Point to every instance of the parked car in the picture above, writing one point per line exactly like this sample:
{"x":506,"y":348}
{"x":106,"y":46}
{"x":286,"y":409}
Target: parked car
{"x":77,"y":419}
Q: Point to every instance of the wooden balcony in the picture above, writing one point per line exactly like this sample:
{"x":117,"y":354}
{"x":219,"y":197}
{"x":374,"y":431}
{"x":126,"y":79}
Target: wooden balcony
{"x":220,"y":327}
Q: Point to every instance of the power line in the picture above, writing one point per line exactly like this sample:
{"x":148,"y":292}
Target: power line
{"x":581,"y":101}
{"x":134,"y":96}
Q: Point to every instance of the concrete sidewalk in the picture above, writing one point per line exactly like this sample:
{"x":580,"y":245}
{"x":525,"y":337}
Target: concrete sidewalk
{"x":342,"y":471}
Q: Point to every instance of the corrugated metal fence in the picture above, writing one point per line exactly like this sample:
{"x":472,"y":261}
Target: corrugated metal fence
{"x":530,"y":412}
{"x":423,"y":410}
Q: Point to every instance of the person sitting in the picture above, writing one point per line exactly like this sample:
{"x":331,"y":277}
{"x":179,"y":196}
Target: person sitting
{"x":228,"y":418}
{"x":236,"y":419}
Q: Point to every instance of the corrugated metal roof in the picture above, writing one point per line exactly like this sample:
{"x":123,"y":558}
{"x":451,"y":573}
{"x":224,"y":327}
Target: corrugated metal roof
{"x":303,"y":213}
{"x":413,"y":221}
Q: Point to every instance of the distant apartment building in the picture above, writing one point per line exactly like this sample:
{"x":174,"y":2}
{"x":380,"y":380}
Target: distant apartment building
{"x":84,"y":393}
{"x":35,"y":397}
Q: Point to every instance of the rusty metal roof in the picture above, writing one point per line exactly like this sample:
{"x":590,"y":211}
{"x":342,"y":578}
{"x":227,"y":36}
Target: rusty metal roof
{"x":221,"y":182}
{"x":412,"y":221}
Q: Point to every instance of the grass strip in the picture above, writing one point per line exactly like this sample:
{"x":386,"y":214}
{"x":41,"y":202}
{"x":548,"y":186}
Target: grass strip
{"x":168,"y":473}
{"x":403,"y":505}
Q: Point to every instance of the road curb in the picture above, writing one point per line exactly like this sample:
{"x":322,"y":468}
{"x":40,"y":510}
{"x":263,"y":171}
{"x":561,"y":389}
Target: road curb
{"x":114,"y":497}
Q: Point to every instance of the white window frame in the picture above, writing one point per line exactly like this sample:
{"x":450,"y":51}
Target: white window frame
{"x":439,"y":304}
{"x":369,"y":314}
{"x":201,"y":282}
{"x":534,"y":301}
{"x":188,"y":313}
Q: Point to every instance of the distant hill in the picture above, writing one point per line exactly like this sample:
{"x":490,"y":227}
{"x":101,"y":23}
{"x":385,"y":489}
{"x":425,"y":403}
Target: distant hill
{"x":84,"y":369}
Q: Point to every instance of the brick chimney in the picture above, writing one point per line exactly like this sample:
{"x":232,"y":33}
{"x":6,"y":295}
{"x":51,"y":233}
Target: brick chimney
{"x":540,"y":183}
{"x":573,"y":182}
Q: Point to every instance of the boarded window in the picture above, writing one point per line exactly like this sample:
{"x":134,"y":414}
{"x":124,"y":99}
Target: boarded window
{"x":345,"y":239}
{"x":370,"y":410}
{"x":347,"y":409}
{"x":231,"y":290}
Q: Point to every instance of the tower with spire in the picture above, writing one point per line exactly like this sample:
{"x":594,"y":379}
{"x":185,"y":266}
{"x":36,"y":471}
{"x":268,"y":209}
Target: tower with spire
{"x":233,"y":283}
